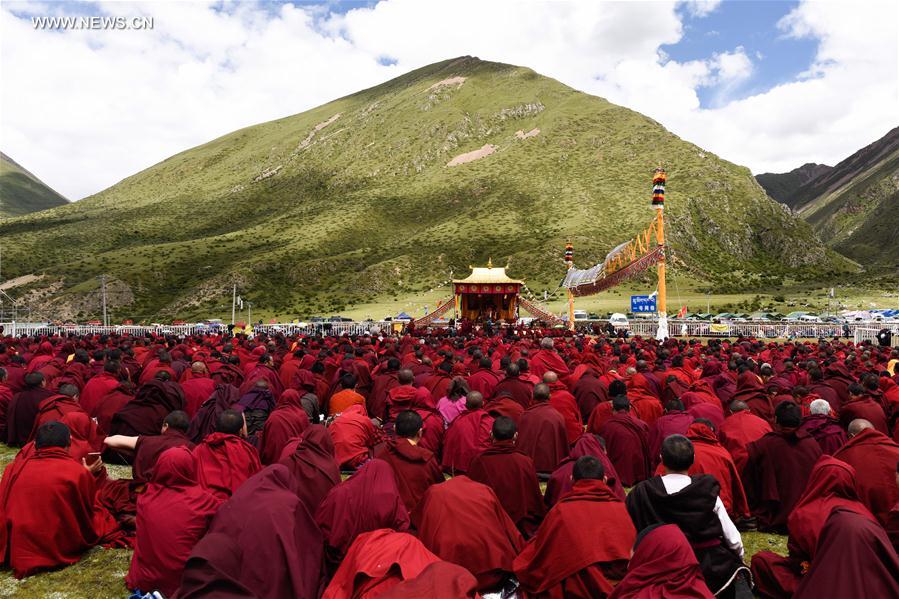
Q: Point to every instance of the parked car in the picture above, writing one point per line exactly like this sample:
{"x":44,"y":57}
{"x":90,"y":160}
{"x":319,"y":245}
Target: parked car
{"x":618,"y":320}
{"x":580,"y":315}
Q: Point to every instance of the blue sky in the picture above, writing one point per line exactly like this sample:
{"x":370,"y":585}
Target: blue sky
{"x":776,"y":58}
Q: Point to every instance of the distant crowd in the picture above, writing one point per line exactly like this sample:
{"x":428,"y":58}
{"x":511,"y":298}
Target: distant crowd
{"x":411,"y":465}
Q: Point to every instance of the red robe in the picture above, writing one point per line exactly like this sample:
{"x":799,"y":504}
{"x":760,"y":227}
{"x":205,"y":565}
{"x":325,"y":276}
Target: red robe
{"x":865,"y":408}
{"x":91,"y":397}
{"x":439,"y":579}
{"x":310,"y":460}
{"x":172,"y":515}
{"x":565,"y":404}
{"x":150,"y":447}
{"x":376,"y":403}
{"x":546,"y":360}
{"x":224,"y":462}
{"x":378,"y":561}
{"x":415,"y":468}
{"x":518,"y":389}
{"x":711,"y":458}
{"x":354,"y":436}
{"x":627,"y":444}
{"x":673,"y":423}
{"x":287,"y":420}
{"x":586,"y":539}
{"x":467,"y":437}
{"x":542,"y":436}
{"x":874,"y":457}
{"x":560,"y":482}
{"x":644,"y":401}
{"x":751,"y":391}
{"x":46,"y":511}
{"x":399,"y":399}
{"x":483,"y":380}
{"x":54,"y":408}
{"x":513,"y":478}
{"x":463,"y":522}
{"x":196,"y":391}
{"x":738,"y":431}
{"x":111,"y":403}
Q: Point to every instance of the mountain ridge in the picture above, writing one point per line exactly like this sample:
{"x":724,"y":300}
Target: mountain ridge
{"x":21,"y":192}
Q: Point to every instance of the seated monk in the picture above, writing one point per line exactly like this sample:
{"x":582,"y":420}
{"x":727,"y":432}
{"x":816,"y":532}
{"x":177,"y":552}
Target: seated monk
{"x":463,"y":522}
{"x":56,"y":406}
{"x":197,"y":389}
{"x":511,"y":475}
{"x":99,"y":385}
{"x":225,"y":460}
{"x":148,"y":448}
{"x":565,"y":404}
{"x":861,"y":406}
{"x":663,"y":565}
{"x":453,"y":403}
{"x":710,"y":458}
{"x":627,"y":443}
{"x":172,"y":516}
{"x":47,"y":505}
{"x":347,"y":396}
{"x":694,"y":505}
{"x":589,"y":392}
{"x":778,"y":468}
{"x":830,"y":485}
{"x":644,"y":399}
{"x":144,"y":415}
{"x":541,"y":432}
{"x":560,"y":482}
{"x":603,"y":410}
{"x":355,"y":436}
{"x":415,"y":467}
{"x":740,"y":429}
{"x":263,"y":543}
{"x":468,"y":436}
{"x":23,"y":408}
{"x":518,"y":389}
{"x":874,"y":457}
{"x":824,"y":429}
{"x":675,"y":421}
{"x":583,"y":545}
{"x":287,"y":420}
{"x":313,"y":468}
{"x":366,"y":501}
{"x":439,"y":579}
{"x":377,"y":562}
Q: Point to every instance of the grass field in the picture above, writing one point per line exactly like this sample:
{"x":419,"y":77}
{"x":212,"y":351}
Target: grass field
{"x":100,"y":573}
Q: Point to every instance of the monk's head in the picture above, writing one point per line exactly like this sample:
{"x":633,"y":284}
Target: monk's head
{"x":504,"y":429}
{"x":620,"y":403}
{"x":231,"y":422}
{"x":408,"y":426}
{"x":393,"y":365}
{"x":82,"y":357}
{"x":405,"y":377}
{"x":165,"y":357}
{"x":541,"y":392}
{"x":857,"y":426}
{"x":856,"y":391}
{"x":588,"y":467}
{"x":177,"y":420}
{"x":512,"y":370}
{"x":617,"y":388}
{"x":819,"y":407}
{"x":474,"y":401}
{"x":69,"y":390}
{"x":33,"y":380}
{"x":52,"y":434}
{"x":112,"y":367}
{"x":738,"y":406}
{"x":677,"y":454}
{"x":546,"y":343}
{"x":163,"y":375}
{"x":198,"y":368}
{"x":674,"y":405}
{"x":787,"y":415}
{"x":348,"y":380}
{"x":550,"y":377}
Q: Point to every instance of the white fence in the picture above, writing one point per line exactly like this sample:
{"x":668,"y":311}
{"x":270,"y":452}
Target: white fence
{"x":30,"y":329}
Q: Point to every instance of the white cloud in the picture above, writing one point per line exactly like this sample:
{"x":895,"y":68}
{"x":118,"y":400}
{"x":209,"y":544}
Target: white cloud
{"x":84,"y":109}
{"x":701,"y":8}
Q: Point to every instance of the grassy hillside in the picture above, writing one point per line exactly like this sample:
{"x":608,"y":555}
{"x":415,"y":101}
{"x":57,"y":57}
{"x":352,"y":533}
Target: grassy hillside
{"x":783,"y":186}
{"x":23,"y":193}
{"x":353,"y":201}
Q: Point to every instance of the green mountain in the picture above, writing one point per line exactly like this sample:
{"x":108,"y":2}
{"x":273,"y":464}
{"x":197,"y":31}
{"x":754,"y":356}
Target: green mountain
{"x":385,"y":192}
{"x":782,"y":186}
{"x":854,"y":206}
{"x":23,"y":193}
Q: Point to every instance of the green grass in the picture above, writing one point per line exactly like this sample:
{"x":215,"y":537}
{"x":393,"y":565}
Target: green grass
{"x":23,"y":193}
{"x":368,"y":211}
{"x":101,"y":572}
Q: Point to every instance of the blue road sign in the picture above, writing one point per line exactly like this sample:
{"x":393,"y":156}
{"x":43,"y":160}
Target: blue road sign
{"x":641,"y":304}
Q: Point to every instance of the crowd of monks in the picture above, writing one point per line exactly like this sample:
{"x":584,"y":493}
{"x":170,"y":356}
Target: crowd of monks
{"x":411,"y":465}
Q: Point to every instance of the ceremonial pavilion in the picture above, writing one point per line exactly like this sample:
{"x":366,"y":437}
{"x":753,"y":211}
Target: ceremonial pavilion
{"x":488,"y":293}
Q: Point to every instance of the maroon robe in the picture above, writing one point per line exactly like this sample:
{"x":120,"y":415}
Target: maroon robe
{"x":589,"y":392}
{"x":467,"y":437}
{"x":313,"y":468}
{"x":561,"y":482}
{"x":627,"y":444}
{"x":738,"y":431}
{"x":196,"y":391}
{"x":150,"y":447}
{"x":483,"y":380}
{"x":874,"y":457}
{"x":513,"y":478}
{"x":826,"y":431}
{"x":542,"y":436}
{"x":415,"y":468}
{"x":546,"y":360}
{"x":673,"y":423}
{"x":287,"y":420}
{"x":21,"y":413}
{"x":867,"y":409}
{"x":145,"y":413}
{"x":516,"y":388}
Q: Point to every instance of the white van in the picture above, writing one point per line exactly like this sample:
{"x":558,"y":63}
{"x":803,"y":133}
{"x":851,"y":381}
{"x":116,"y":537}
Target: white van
{"x":580,"y":315}
{"x":618,"y":320}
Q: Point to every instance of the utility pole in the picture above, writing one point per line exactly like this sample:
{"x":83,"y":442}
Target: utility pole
{"x":103,"y":293}
{"x":233,"y":302}
{"x":249,"y":313}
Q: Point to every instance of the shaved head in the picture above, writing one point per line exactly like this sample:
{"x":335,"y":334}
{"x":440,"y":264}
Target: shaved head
{"x":474,"y":400}
{"x":738,"y":406}
{"x":858,"y":425}
{"x":550,"y":377}
{"x":405,"y":376}
{"x":198,"y":368}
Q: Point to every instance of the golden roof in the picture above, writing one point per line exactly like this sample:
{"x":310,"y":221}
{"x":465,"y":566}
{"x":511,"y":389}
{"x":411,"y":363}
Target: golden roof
{"x":488,"y":275}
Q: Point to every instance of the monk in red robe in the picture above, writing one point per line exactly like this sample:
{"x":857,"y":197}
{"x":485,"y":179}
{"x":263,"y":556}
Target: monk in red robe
{"x":436,"y":580}
{"x":467,"y":436}
{"x":566,"y":405}
{"x":197,"y":389}
{"x":111,"y":403}
{"x":262,"y":543}
{"x":874,"y":457}
{"x":46,"y":505}
{"x":23,"y":409}
{"x":511,"y":475}
{"x":415,"y":467}
{"x":401,"y":397}
{"x":367,"y":501}
{"x":830,"y":485}
{"x":675,"y":421}
{"x":463,"y":522}
{"x":144,"y":415}
{"x":172,"y":515}
{"x":541,"y":432}
{"x":584,"y":544}
{"x":382,"y":383}
{"x":824,"y":429}
{"x":355,"y":436}
{"x":589,"y":392}
{"x":643,"y":398}
{"x":739,"y":430}
{"x":346,"y":397}
{"x":312,"y":464}
{"x":225,"y":460}
{"x":778,"y":467}
{"x":547,"y":359}
{"x":377,"y":562}
{"x":5,"y":397}
{"x":751,"y":391}
{"x":91,"y":396}
{"x":663,"y":565}
{"x":287,"y":420}
{"x":439,"y":381}
{"x":627,"y":443}
{"x":57,"y":406}
{"x":515,"y":387}
{"x":711,"y":458}
{"x":861,"y":406}
{"x":147,"y":448}
{"x":560,"y":482}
